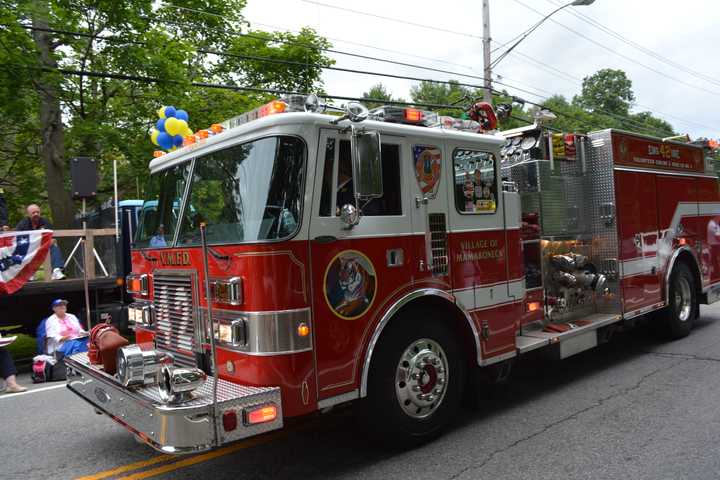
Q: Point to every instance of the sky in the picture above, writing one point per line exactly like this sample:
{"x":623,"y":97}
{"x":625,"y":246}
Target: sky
{"x":683,"y":87}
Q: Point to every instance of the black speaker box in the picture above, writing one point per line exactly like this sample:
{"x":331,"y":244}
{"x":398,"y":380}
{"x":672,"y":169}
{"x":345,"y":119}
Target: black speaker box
{"x":83,"y":171}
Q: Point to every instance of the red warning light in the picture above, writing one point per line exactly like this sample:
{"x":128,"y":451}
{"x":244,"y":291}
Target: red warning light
{"x":413,"y":115}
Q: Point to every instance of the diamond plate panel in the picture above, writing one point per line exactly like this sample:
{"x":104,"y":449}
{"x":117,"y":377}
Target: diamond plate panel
{"x":143,"y":410}
{"x":600,"y":198}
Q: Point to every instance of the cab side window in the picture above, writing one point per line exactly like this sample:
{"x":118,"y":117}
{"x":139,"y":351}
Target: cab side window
{"x":475,"y":181}
{"x":342,"y":186}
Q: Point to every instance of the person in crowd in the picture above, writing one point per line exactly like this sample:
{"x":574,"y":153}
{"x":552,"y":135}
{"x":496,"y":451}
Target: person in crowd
{"x":64,"y":333}
{"x":4,"y":227}
{"x":33,"y":221}
{"x":158,"y":240}
{"x":8,"y":372}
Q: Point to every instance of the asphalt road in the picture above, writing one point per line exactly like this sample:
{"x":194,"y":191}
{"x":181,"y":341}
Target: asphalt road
{"x":634,"y":408}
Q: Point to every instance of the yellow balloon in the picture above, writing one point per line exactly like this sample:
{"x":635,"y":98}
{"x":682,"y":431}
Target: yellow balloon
{"x":188,"y":131}
{"x":173,"y":127}
{"x":153,"y":136}
{"x":182,"y":126}
{"x":161,"y":112}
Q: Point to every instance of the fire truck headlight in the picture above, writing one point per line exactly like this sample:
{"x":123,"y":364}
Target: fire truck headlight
{"x":228,"y":292}
{"x":232,"y":333}
{"x":141,"y":313}
{"x":137,"y":284}
{"x":136,"y":367}
{"x":176,"y":384}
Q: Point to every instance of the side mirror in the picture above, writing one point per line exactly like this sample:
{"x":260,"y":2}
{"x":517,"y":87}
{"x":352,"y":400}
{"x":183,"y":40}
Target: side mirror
{"x":367,"y":164}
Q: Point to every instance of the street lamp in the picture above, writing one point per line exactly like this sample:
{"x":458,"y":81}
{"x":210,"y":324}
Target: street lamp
{"x":486,"y":39}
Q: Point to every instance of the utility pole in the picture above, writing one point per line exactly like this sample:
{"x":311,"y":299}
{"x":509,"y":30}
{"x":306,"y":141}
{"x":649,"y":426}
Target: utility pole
{"x":487,"y":71}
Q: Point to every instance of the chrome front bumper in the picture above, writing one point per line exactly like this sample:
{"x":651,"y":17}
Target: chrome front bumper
{"x":178,"y":428}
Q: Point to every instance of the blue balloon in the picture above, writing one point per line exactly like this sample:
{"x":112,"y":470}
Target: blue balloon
{"x":160,"y":125}
{"x":182,"y":115}
{"x":178,"y":140}
{"x":165,"y":141}
{"x":169,"y":112}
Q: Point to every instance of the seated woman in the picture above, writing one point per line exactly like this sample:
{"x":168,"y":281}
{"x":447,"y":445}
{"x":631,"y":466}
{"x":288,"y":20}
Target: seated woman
{"x":63,"y":331}
{"x":8,"y":371}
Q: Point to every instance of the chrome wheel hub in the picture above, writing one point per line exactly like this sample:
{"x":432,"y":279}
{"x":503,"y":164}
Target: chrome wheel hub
{"x":683,"y":299}
{"x":421,"y":378}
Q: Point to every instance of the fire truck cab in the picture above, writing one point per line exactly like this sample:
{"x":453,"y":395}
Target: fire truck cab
{"x":295,"y":260}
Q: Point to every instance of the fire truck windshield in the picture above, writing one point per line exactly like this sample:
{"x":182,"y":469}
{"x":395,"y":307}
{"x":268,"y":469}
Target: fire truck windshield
{"x":246,"y":193}
{"x":161,"y":208}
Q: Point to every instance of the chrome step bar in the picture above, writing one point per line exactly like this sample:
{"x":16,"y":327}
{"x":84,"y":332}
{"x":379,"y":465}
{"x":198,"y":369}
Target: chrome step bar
{"x":177,"y":428}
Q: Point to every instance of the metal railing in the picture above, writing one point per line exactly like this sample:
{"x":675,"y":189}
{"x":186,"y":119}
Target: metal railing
{"x":94,"y":252}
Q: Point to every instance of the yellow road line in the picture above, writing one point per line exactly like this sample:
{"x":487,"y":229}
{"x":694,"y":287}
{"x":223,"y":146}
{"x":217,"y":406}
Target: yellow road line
{"x":203,"y":457}
{"x":129,"y":467}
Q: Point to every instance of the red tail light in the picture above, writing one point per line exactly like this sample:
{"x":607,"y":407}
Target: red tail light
{"x":229,"y":420}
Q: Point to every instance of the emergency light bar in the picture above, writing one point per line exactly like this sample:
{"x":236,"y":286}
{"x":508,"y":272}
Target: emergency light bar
{"x":409,"y":116}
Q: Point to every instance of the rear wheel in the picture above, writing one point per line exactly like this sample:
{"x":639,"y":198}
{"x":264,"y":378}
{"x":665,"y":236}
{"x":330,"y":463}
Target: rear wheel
{"x":678,"y":317}
{"x":416,"y":380}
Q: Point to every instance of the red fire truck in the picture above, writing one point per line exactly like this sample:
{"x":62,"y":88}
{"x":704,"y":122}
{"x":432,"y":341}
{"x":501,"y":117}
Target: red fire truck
{"x":295,"y":260}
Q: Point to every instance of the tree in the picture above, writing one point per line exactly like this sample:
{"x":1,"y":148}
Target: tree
{"x":55,"y":116}
{"x":608,"y":90}
{"x":442,"y":94}
{"x":379,"y":92}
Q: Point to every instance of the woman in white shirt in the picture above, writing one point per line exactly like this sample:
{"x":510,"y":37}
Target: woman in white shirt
{"x":63,"y":331}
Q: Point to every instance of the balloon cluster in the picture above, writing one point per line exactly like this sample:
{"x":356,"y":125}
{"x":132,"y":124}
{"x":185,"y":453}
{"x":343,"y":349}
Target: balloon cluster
{"x":170,"y":129}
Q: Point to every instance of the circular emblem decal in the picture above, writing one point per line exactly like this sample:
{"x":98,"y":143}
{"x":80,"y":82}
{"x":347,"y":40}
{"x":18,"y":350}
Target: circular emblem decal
{"x":350,"y":284}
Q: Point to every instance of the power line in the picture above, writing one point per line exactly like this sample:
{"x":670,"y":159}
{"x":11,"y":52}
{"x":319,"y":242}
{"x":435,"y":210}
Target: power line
{"x":144,"y":79}
{"x":603,"y":28}
{"x":578,"y":82}
{"x":617,"y":53}
{"x":305,"y":64}
{"x":390,"y":19}
{"x":559,"y":73}
{"x":553,"y":70}
{"x":275,"y":91}
{"x":625,"y":120}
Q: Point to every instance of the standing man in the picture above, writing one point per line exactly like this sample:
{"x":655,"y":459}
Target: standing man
{"x":4,"y":227}
{"x":34,"y":221}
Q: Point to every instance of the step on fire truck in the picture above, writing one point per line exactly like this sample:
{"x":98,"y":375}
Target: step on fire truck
{"x":297,"y":260}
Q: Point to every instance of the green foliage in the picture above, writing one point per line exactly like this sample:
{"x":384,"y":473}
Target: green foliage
{"x":442,"y":94}
{"x":379,"y":92}
{"x":110,"y":119}
{"x":608,"y":90}
{"x":23,"y":348}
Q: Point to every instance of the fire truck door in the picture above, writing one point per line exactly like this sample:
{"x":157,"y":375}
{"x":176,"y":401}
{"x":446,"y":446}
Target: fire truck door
{"x":428,"y":198}
{"x":637,"y":217}
{"x":483,"y":252}
{"x":356,"y":270}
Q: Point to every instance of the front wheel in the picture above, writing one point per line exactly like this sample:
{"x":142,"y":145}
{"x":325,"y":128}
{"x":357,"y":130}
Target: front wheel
{"x":416,"y":380}
{"x":678,"y":317}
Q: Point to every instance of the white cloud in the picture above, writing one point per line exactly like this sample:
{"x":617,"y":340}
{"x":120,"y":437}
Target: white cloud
{"x":686,"y":33}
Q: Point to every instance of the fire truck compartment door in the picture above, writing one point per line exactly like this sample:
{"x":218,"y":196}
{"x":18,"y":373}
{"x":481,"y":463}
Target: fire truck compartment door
{"x":485,"y":251}
{"x":357,"y":271}
{"x":479,"y":239}
{"x":637,"y":217}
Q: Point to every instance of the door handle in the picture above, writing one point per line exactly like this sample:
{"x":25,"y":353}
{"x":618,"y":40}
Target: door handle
{"x":325,"y":239}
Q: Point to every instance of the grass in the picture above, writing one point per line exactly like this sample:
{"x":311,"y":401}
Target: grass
{"x":23,"y":348}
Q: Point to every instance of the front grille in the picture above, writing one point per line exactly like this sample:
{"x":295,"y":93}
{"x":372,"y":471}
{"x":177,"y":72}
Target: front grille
{"x":174,"y":317}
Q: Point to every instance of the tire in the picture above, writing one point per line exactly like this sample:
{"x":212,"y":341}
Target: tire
{"x":678,"y":317}
{"x":416,"y":380}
